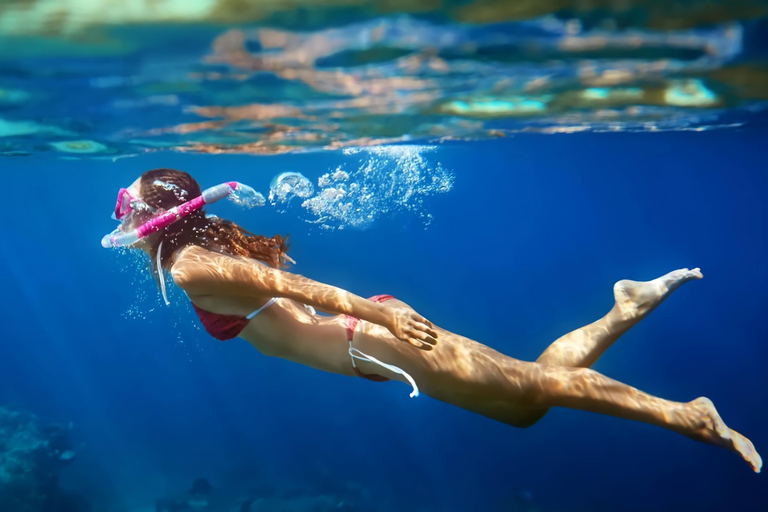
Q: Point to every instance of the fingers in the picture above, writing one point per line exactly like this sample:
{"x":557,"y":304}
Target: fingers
{"x":421,"y":337}
{"x":417,"y":330}
{"x":421,"y":345}
{"x":425,"y":328}
{"x":413,"y":341}
{"x":425,"y":336}
{"x":422,"y":324}
{"x":422,"y":320}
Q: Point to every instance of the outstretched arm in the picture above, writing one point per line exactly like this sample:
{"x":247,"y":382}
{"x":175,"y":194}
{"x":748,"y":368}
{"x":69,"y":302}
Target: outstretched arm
{"x":202,"y":272}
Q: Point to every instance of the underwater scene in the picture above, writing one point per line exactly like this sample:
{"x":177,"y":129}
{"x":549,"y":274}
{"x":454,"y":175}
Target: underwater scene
{"x":374,"y":256}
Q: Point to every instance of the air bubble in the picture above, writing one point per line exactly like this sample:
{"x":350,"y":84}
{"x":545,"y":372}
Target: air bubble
{"x":243,"y":195}
{"x":178,"y":191}
{"x":289,"y":184}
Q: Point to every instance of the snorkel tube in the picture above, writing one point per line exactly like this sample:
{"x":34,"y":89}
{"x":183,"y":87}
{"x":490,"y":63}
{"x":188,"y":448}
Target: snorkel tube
{"x":240,"y":193}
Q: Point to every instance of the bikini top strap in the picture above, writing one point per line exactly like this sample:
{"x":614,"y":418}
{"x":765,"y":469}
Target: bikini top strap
{"x":262,"y":308}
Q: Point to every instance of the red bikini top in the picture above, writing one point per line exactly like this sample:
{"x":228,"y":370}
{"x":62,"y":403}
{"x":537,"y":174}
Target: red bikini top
{"x":226,"y":327}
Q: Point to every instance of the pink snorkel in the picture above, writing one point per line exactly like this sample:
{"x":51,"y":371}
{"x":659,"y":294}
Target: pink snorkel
{"x":241,"y":194}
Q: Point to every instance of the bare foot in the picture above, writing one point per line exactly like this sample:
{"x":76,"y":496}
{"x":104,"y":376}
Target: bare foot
{"x":712,"y":429}
{"x":636,"y":299}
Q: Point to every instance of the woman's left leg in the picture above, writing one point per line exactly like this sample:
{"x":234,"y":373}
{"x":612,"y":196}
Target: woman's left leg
{"x":634,"y":301}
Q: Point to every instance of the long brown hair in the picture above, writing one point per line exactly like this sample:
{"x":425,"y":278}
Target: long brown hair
{"x":165,"y":188}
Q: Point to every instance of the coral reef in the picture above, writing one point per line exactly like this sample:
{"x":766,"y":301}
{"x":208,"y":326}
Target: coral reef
{"x":31,"y":455}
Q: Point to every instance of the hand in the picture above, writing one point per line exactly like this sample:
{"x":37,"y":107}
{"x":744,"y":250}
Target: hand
{"x":409,"y":326}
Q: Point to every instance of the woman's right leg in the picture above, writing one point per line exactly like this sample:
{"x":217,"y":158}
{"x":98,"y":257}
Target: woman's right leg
{"x":503,"y":388}
{"x":588,"y":390}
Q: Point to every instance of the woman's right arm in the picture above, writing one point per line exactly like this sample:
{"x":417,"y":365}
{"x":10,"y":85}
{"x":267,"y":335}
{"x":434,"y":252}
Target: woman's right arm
{"x":201,"y":272}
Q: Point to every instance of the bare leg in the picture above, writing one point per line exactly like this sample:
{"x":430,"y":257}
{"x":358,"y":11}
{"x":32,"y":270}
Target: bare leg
{"x":473,"y":376}
{"x":634,"y":300}
{"x":478,"y":378}
{"x":585,"y":389}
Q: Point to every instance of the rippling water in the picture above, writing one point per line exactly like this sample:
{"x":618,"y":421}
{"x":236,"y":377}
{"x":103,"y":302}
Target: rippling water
{"x":107,"y":79}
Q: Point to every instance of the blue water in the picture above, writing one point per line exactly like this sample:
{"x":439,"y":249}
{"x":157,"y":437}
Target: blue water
{"x":498,"y":170}
{"x":525,"y":247}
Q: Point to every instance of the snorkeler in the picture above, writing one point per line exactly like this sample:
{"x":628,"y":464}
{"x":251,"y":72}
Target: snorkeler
{"x":237,"y":288}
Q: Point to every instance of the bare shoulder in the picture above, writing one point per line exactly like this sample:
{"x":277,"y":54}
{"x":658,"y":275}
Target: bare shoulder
{"x":200,"y":271}
{"x":192,"y":254}
{"x":190,"y":266}
{"x":193,"y":257}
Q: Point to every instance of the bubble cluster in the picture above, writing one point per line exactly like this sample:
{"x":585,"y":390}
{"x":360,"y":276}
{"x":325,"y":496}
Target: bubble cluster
{"x":384,"y":179}
{"x":147,"y":304}
{"x":179,"y":192}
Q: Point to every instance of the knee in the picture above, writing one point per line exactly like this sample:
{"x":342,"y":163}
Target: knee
{"x":528,"y":418}
{"x":548,"y":386}
{"x":532,"y":389}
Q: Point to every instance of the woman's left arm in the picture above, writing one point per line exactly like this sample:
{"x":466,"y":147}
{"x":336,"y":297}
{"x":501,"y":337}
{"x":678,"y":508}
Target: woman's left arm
{"x":202,"y":272}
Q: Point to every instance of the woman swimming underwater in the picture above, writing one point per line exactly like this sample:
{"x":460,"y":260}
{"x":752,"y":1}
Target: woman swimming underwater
{"x":235,"y":283}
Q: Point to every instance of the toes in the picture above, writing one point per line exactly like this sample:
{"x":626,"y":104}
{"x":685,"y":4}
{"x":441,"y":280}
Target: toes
{"x":684,"y":274}
{"x":747,"y":450}
{"x":694,"y":272}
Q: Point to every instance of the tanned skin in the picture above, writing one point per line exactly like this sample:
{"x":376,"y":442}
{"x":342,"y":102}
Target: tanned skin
{"x":447,"y":366}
